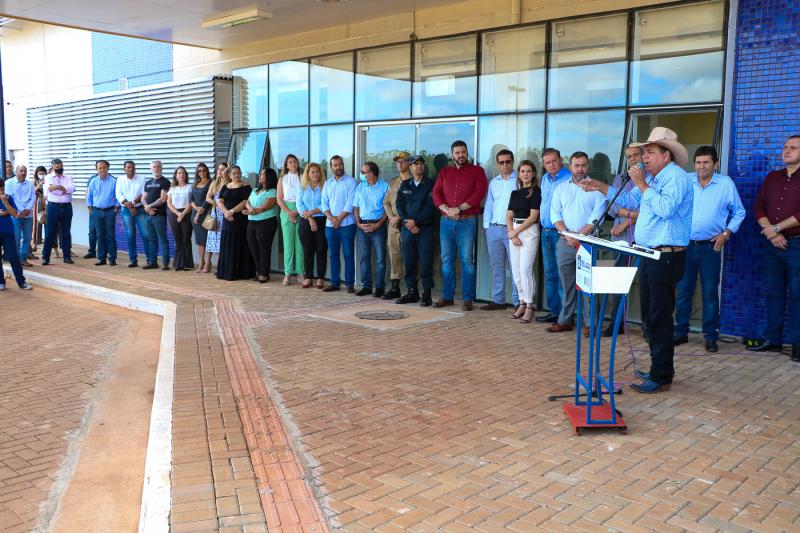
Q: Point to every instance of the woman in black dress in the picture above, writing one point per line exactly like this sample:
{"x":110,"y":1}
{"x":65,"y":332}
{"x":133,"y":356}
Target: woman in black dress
{"x":202,"y":180}
{"x":235,"y":261}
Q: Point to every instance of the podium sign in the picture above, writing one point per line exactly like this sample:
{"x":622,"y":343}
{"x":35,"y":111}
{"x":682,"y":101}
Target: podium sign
{"x":594,"y":279}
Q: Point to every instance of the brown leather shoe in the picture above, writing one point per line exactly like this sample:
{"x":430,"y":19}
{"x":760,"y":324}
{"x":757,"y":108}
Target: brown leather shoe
{"x":558,"y":328}
{"x":467,"y":305}
{"x":443,"y":303}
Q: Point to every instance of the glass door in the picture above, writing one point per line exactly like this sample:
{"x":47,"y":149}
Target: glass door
{"x":430,"y":139}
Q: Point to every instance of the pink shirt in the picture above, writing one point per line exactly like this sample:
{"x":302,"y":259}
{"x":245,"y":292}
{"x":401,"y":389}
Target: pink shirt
{"x":59,"y":197}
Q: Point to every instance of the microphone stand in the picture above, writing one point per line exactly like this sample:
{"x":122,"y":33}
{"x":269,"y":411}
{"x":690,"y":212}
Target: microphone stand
{"x":600,"y":220}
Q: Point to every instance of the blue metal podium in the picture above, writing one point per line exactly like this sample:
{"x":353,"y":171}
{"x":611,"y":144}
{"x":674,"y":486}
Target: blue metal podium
{"x":595,"y":281}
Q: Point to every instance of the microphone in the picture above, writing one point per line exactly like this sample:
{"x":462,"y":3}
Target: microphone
{"x":627,"y":177}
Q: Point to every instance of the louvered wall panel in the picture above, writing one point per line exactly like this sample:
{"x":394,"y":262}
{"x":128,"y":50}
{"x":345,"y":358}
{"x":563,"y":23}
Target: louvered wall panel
{"x":174,"y":123}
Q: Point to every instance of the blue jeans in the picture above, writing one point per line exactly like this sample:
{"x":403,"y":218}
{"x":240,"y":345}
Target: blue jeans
{"x":23,"y":229}
{"x":552,"y":284}
{"x":131,"y":224}
{"x":342,"y":238}
{"x":92,"y":237}
{"x":8,"y":251}
{"x":497,"y":243}
{"x":457,"y":237}
{"x":157,"y":231}
{"x":702,"y":259}
{"x":59,"y":218}
{"x":103,"y":223}
{"x":367,"y":242}
{"x":782,"y":272}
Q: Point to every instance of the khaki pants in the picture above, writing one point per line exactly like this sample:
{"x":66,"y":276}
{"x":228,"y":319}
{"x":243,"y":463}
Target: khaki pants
{"x":395,"y":254}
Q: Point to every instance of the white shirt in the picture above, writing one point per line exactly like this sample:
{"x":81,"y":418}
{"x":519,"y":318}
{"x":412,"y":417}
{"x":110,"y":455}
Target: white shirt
{"x":496,"y":207}
{"x":180,"y":196}
{"x":576,"y":207}
{"x":129,"y":188}
{"x":291,"y":185}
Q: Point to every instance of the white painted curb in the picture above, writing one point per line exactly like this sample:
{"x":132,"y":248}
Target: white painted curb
{"x":156,"y":490}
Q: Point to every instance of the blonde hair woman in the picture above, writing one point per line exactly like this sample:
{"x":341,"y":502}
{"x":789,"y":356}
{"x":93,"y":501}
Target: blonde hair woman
{"x":214,"y":238}
{"x":311,"y":229}
{"x":288,"y":188}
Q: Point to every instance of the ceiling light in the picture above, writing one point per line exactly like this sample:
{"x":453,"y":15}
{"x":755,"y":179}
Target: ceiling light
{"x":236,"y":18}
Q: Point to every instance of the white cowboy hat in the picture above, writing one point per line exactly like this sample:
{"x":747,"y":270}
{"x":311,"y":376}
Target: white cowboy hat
{"x":668,"y":139}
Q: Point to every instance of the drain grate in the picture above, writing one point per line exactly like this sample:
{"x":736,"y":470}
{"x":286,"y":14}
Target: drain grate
{"x":382,"y":315}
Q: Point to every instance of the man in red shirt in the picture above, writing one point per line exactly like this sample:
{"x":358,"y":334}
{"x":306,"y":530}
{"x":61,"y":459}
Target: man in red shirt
{"x":458,"y":193}
{"x":777,"y":210}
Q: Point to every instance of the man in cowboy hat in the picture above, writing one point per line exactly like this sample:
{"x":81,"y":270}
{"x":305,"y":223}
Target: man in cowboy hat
{"x":664,"y":193}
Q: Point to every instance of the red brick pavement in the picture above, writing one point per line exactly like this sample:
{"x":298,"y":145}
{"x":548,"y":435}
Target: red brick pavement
{"x":445,"y":426}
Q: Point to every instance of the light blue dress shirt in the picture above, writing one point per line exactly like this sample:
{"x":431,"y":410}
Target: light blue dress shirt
{"x":101,"y":193}
{"x":576,"y":207}
{"x":369,"y":199}
{"x":308,"y":199}
{"x":665,"y":209}
{"x":717,"y":207}
{"x":549,"y":185}
{"x":630,"y":203}
{"x":24,"y":194}
{"x":337,"y":197}
{"x":496,"y":207}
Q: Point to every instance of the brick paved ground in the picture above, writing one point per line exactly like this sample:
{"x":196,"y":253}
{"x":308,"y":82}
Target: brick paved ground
{"x":48,"y":382}
{"x":303,"y":423}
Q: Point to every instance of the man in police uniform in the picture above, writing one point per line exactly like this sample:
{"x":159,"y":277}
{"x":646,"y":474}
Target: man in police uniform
{"x":393,"y":240}
{"x":417,"y":213}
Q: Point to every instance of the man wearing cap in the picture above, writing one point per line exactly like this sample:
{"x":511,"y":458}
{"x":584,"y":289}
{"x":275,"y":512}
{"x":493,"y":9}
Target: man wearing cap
{"x":665,"y":198}
{"x":401,"y":159}
{"x":58,"y":187}
{"x":777,"y":210}
{"x":417,"y":214}
{"x":716,"y":216}
{"x":495,"y":211}
{"x":458,"y":193}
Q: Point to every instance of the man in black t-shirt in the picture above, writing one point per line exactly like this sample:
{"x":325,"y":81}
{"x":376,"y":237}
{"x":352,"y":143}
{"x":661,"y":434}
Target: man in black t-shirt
{"x":154,"y":201}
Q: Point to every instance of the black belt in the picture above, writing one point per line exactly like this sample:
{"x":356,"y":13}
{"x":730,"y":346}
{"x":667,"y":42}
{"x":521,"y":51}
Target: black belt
{"x":104,"y":208}
{"x":702,"y":243}
{"x":549,"y":229}
{"x":499,"y":225}
{"x":369,"y":221}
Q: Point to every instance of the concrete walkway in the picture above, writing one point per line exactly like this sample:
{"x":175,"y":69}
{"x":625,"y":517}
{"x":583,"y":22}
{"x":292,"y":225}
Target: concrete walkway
{"x":291,"y":413}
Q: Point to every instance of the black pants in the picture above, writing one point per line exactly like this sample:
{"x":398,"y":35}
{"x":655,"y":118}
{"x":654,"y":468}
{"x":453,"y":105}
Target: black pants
{"x":657,"y":282}
{"x":314,"y":247}
{"x":182,"y":233}
{"x":418,"y":248}
{"x":260,"y":234}
{"x":59,"y":221}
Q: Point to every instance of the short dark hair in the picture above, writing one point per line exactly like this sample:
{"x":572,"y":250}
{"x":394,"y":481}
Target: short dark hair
{"x":456,"y":144}
{"x":548,"y":151}
{"x":102,"y":161}
{"x":126,"y":163}
{"x":55,"y":161}
{"x":504,"y":151}
{"x":373,"y":168}
{"x":578,"y":155}
{"x":337,"y":156}
{"x":706,"y":150}
{"x":793,"y":137}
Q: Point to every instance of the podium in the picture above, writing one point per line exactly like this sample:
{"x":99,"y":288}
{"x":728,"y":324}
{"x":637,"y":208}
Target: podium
{"x":595,"y":281}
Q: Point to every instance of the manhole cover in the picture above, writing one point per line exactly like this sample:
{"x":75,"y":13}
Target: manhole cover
{"x":381,"y":315}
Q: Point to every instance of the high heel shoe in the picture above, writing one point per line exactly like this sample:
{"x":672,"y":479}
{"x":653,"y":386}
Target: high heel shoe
{"x":519,"y":312}
{"x":528,"y":316}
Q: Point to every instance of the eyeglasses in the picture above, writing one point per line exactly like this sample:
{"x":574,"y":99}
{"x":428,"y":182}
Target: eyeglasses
{"x":505,"y":162}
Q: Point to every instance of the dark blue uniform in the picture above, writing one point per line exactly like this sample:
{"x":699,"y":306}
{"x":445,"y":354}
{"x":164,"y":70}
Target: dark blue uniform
{"x":415,"y":202}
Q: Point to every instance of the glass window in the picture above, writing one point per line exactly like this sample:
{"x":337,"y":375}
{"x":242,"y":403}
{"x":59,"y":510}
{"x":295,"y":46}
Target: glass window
{"x":250,"y":97}
{"x":678,"y":55}
{"x":588,"y":62}
{"x":522,"y":134}
{"x":247,"y":151}
{"x":512,"y":70}
{"x":433,"y":142}
{"x":381,"y":143}
{"x":383,"y":83}
{"x":288,"y":93}
{"x":332,"y":89}
{"x":327,"y":141}
{"x":287,"y":141}
{"x":598,"y":133}
{"x":445,"y":80}
{"x":694,"y":128}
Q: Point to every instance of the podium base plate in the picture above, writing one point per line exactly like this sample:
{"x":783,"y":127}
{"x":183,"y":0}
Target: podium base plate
{"x":577,"y":417}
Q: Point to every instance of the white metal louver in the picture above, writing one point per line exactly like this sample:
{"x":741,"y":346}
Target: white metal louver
{"x":175,"y":123}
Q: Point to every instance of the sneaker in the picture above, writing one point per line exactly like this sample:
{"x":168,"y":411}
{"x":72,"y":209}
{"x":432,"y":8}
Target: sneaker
{"x":650,"y":387}
{"x":26,"y":287}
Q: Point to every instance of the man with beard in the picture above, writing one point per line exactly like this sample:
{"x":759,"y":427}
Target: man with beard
{"x":336,"y":203}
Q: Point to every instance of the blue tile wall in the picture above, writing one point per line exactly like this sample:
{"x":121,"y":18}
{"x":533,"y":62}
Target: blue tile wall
{"x":766,"y":110}
{"x":142,"y":62}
